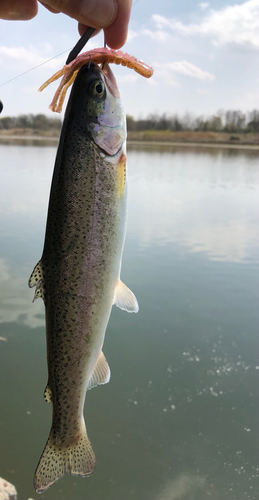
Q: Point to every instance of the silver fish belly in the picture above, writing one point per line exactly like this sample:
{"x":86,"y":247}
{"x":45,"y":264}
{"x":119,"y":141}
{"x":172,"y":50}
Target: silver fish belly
{"x":78,"y":276}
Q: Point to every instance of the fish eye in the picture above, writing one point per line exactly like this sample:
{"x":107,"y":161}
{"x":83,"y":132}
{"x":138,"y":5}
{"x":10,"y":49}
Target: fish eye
{"x":98,"y":89}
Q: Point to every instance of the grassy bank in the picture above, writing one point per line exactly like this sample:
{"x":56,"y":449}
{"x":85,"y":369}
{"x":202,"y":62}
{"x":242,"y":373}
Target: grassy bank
{"x":29,"y":132}
{"x":151,"y":136}
{"x":194,"y":136}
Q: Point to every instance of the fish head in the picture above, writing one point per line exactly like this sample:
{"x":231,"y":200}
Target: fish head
{"x":96,"y":104}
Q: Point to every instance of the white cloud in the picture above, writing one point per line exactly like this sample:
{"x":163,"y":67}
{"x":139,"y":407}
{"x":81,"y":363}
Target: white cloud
{"x":46,"y":47}
{"x":183,"y":68}
{"x":158,"y":35}
{"x":164,"y":72}
{"x":188,"y":69}
{"x":30,"y":90}
{"x":236,"y":24}
{"x":152,"y":82}
{"x":204,"y":5}
{"x":26,"y":58}
{"x":127,"y":78}
{"x":131,"y":34}
{"x":203,"y":91}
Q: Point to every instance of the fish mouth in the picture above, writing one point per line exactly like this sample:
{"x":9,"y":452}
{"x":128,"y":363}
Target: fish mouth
{"x":110,"y":80}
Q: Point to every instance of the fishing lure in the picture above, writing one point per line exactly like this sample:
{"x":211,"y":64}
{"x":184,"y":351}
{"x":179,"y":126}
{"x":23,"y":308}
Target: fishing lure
{"x":98,"y":56}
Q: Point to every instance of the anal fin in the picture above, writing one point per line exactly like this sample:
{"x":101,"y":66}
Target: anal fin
{"x":101,"y":372}
{"x":124,"y":298}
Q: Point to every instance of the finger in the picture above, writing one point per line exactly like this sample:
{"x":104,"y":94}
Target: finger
{"x":116,"y":33}
{"x":95,"y":13}
{"x":54,"y":11}
{"x":17,"y":10}
{"x":82,"y":29}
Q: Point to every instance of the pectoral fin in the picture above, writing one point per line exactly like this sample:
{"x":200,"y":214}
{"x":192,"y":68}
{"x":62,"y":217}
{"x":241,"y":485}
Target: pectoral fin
{"x":101,"y":372}
{"x":124,"y":298}
{"x":37,"y":280}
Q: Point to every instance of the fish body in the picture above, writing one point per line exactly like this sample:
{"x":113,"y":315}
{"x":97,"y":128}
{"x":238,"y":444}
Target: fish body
{"x":78,"y":276}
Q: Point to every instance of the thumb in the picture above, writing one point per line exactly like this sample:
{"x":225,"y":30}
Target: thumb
{"x":95,"y":13}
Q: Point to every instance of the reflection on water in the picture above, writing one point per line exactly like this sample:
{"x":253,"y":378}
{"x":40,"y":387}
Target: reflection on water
{"x":179,"y":418}
{"x":24,"y":190}
{"x":28,"y":141}
{"x":199,"y":199}
{"x":185,"y":484}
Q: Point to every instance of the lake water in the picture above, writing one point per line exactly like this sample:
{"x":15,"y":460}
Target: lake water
{"x":179,"y":418}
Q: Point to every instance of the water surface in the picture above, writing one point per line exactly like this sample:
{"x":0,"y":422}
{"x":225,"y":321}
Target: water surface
{"x":179,"y":418}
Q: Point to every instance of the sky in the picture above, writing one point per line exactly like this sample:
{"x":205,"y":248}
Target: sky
{"x":204,"y":55}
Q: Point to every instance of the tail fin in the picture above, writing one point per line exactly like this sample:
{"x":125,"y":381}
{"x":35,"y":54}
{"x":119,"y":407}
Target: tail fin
{"x":76,"y":458}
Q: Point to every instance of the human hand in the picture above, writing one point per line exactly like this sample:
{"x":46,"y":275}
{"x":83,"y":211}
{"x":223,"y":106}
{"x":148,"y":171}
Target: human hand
{"x":110,"y":15}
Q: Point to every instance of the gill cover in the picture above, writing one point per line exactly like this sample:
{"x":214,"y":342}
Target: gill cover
{"x":108,"y":128}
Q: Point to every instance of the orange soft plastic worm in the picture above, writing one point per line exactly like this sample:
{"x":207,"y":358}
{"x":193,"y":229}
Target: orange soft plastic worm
{"x":98,"y":56}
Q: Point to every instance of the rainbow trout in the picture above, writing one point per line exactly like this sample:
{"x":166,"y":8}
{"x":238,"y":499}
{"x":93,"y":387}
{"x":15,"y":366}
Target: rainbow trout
{"x":78,"y":276}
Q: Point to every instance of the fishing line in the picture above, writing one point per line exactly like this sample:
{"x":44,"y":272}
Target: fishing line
{"x":34,"y":67}
{"x":71,"y":56}
{"x":51,"y":59}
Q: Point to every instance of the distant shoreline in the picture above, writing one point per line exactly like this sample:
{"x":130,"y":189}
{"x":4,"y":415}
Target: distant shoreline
{"x":17,"y":137}
{"x":195,"y":144}
{"x":151,"y":138}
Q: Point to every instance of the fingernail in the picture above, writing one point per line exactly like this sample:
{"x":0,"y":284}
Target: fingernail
{"x":100,"y":12}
